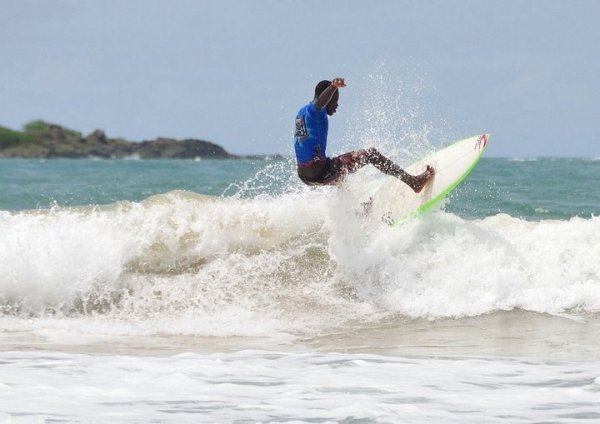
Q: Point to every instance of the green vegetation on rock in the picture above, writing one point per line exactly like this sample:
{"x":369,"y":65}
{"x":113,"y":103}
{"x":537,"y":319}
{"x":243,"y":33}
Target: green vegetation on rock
{"x":9,"y":138}
{"x":40,"y":126}
{"x":41,"y":139}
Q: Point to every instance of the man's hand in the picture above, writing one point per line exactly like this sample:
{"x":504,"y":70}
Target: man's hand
{"x":327,"y":94}
{"x":338,"y":82}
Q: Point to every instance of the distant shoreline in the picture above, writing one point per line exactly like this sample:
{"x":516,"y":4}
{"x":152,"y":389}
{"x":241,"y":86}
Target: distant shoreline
{"x":43,"y":140}
{"x":265,"y":157}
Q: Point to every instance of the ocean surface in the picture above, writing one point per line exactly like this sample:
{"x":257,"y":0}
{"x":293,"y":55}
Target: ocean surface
{"x":226,"y":291}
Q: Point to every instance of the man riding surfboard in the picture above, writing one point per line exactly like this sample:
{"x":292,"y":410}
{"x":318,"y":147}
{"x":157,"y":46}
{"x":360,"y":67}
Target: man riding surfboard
{"x":310,"y":143}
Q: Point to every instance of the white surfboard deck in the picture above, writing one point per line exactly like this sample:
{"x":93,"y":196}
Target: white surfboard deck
{"x":396,"y":202}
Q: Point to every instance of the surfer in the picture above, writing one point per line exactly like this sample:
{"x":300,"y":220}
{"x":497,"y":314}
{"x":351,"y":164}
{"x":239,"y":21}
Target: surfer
{"x":310,"y":142}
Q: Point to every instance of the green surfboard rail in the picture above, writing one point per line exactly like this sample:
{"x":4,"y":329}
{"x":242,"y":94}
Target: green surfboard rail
{"x":433,"y":201}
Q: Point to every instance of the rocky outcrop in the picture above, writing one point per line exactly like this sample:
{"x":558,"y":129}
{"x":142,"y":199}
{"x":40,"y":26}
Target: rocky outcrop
{"x":96,"y":137}
{"x":179,"y":149}
{"x":44,"y":140}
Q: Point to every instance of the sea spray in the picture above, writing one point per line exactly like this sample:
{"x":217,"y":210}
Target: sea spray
{"x":299,"y":263}
{"x":391,"y":115}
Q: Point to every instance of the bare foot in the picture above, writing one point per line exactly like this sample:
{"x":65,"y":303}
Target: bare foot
{"x":420,"y":181}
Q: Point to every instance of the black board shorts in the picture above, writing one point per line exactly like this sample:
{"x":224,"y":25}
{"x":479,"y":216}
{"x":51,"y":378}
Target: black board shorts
{"x":330,"y":174}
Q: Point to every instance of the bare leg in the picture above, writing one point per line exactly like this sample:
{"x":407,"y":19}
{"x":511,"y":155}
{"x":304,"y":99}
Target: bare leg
{"x":353,"y":161}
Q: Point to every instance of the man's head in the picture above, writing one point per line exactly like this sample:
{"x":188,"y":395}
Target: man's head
{"x":331,"y":107}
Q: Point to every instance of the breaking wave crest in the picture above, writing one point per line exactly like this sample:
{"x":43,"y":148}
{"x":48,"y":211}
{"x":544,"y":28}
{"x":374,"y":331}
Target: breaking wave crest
{"x":295,"y":263}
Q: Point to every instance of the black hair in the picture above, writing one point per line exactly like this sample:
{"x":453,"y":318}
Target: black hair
{"x":321,"y":86}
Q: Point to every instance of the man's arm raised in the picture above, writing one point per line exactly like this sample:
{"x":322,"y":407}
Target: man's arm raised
{"x":328,"y":93}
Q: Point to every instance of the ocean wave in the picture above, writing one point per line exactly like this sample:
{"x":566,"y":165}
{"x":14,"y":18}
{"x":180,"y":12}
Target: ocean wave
{"x":294,"y":263}
{"x":523,"y":159}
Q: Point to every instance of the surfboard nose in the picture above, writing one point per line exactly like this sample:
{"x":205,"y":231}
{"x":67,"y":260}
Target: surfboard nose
{"x":482,"y":141}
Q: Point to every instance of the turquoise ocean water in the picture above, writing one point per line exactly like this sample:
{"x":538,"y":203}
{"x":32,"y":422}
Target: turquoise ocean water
{"x":226,"y":291}
{"x":544,"y":188}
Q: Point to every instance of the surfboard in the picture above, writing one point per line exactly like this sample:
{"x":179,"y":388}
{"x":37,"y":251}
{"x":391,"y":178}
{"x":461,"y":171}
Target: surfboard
{"x":397,"y":203}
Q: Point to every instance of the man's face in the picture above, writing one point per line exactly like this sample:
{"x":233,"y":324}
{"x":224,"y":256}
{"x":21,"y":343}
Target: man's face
{"x":333,"y":103}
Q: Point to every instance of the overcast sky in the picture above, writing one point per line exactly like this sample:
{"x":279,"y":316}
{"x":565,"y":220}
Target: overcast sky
{"x":236,"y":71}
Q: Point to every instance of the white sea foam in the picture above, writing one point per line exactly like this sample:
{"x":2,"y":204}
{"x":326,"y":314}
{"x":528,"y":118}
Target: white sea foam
{"x":258,"y":386}
{"x":295,"y":264}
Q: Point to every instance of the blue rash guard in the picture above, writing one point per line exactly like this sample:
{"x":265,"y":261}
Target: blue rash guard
{"x":310,"y":138}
